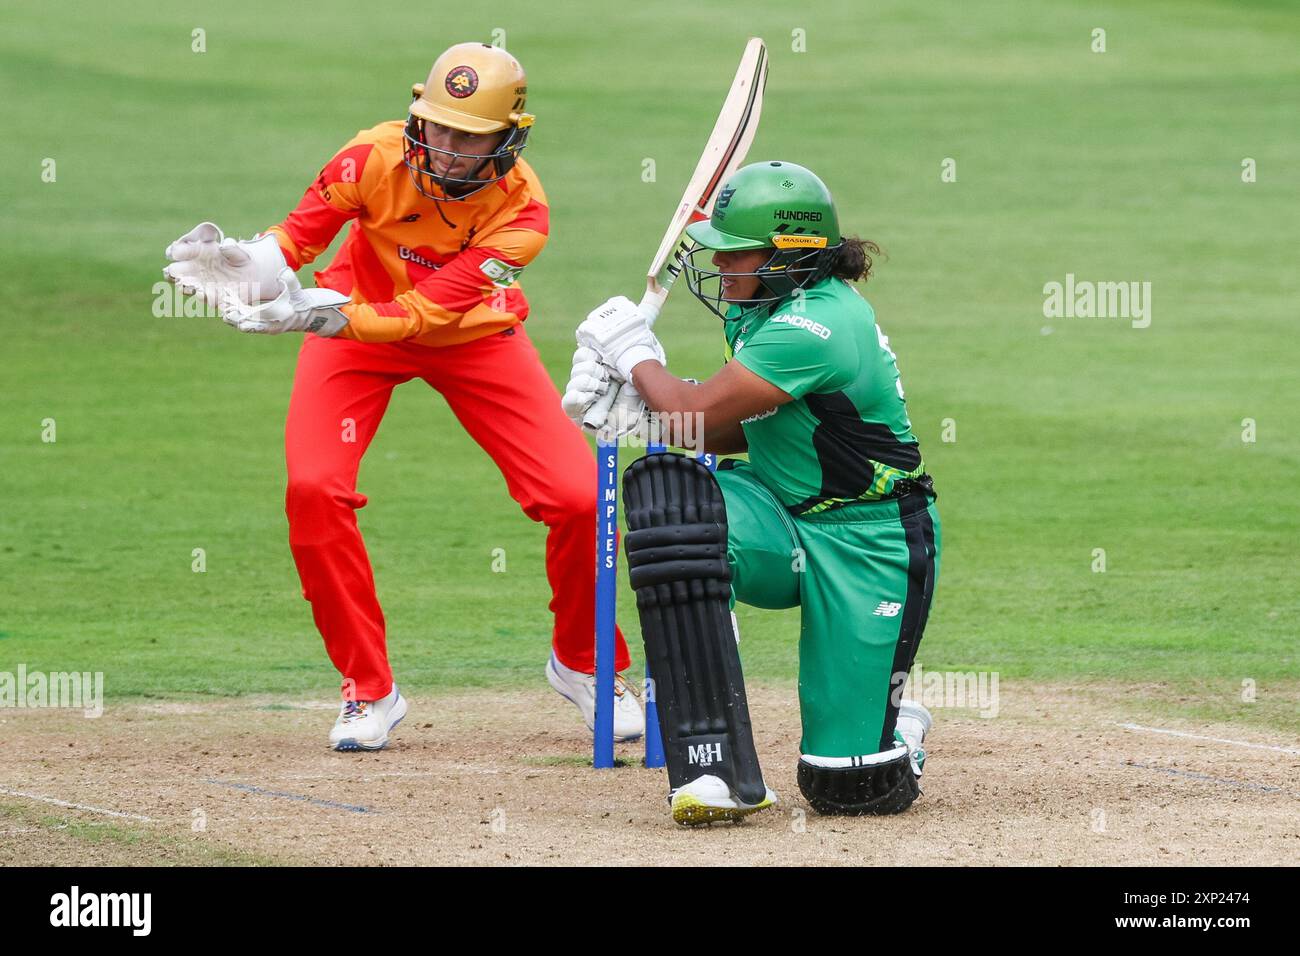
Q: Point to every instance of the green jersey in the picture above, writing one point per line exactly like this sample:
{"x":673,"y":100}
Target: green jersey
{"x":846,"y":436}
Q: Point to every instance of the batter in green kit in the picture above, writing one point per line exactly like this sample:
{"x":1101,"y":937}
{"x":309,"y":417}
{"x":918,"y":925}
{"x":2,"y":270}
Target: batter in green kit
{"x":832,"y":513}
{"x":817,"y":517}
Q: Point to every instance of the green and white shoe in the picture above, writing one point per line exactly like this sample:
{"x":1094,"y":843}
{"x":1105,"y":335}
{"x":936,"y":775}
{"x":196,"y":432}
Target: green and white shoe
{"x":914,"y":722}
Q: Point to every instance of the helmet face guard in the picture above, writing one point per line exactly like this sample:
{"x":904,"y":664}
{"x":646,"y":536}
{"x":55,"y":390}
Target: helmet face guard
{"x":785,"y":271}
{"x":419,"y":158}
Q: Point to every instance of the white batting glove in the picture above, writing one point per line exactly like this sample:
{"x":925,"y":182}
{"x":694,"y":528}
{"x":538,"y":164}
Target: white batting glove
{"x":588,"y":381}
{"x":620,"y":333}
{"x":207,"y":264}
{"x":295,"y":310}
{"x":628,"y":415}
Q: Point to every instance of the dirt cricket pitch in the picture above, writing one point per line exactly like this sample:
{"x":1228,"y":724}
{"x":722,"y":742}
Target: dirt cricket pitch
{"x":504,"y":777}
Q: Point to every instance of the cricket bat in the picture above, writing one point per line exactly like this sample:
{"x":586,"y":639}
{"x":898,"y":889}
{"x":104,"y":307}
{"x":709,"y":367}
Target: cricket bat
{"x":725,"y":151}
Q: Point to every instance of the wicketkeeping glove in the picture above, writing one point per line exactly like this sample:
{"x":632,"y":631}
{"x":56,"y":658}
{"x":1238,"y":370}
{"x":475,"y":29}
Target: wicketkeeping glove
{"x":295,"y":310}
{"x":206,"y":264}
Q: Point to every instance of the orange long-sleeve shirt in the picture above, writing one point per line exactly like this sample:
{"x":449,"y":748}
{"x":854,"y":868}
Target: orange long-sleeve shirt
{"x":409,"y":274}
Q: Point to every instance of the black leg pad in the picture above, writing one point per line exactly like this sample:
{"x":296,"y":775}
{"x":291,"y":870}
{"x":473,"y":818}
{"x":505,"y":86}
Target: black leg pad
{"x":676,"y":548}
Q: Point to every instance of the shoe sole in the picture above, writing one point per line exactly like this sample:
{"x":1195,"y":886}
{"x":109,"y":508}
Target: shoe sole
{"x":690,"y":811}
{"x":351,"y":744}
{"x":553,"y":679}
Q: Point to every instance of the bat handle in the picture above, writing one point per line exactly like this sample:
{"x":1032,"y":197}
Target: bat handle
{"x":652,"y":302}
{"x":596,"y":415}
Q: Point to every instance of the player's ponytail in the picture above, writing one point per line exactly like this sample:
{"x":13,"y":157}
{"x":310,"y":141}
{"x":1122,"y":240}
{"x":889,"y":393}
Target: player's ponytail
{"x":852,"y":261}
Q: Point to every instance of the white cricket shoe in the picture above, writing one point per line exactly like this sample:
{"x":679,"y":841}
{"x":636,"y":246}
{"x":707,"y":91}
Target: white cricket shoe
{"x":365,"y":724}
{"x":914,"y":722}
{"x":708,"y":799}
{"x":580,"y":689}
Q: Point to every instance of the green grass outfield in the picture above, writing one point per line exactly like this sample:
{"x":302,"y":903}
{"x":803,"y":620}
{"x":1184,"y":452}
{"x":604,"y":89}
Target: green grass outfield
{"x":1072,"y":434}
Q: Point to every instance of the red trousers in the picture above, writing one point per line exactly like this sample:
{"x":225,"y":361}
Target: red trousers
{"x":500,"y":392}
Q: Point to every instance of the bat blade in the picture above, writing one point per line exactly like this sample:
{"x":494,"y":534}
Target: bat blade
{"x":727,"y":146}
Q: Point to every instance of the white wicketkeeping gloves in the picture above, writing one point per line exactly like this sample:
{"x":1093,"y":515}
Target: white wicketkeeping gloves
{"x":206,"y":264}
{"x":295,"y":310}
{"x":251,"y":284}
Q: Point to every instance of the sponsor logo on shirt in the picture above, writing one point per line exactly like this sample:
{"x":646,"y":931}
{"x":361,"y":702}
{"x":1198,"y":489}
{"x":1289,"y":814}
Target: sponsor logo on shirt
{"x":409,"y":254}
{"x":502,"y":275}
{"x":803,"y":322}
{"x":760,"y":416}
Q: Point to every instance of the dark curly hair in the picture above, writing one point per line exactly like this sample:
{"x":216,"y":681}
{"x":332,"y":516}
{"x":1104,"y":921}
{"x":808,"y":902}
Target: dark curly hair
{"x":853,"y":261}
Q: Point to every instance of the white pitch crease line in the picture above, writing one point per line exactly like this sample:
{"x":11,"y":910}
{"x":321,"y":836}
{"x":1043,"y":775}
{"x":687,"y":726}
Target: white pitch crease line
{"x":1217,"y":740}
{"x":76,"y":806}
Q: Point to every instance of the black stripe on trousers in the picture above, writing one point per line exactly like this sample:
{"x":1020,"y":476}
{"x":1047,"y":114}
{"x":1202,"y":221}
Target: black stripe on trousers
{"x":919,"y":531}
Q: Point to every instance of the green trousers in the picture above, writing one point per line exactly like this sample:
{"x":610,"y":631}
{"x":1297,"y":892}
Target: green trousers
{"x":863,"y":576}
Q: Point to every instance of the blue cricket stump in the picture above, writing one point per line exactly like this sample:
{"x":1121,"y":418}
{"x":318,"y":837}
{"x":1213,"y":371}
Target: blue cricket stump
{"x":602,"y":756}
{"x":607,"y":473}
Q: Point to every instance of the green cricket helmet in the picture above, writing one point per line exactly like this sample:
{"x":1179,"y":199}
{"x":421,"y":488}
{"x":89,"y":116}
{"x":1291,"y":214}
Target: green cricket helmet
{"x":779,"y":206}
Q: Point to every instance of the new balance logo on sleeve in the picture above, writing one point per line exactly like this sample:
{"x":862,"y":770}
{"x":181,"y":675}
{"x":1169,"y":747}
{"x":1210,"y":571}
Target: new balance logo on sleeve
{"x":887,"y":609}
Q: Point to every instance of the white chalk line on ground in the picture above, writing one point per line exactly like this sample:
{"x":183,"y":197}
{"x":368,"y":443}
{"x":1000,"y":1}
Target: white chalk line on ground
{"x":1217,"y":740}
{"x":76,"y":806}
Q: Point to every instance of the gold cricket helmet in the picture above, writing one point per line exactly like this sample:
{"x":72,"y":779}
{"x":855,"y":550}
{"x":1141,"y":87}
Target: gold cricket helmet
{"x":475,"y":88}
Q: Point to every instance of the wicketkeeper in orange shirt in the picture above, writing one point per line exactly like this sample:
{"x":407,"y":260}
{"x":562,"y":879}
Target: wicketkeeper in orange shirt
{"x":445,"y":216}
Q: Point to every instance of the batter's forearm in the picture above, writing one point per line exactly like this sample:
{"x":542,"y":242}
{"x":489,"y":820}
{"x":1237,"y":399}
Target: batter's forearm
{"x":726,"y":439}
{"x":685,"y":414}
{"x":663,"y":391}
{"x":695,"y":433}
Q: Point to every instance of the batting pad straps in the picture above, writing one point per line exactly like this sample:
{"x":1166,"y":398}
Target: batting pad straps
{"x":840,"y":763}
{"x":686,"y":552}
